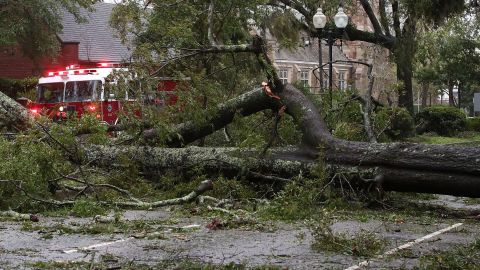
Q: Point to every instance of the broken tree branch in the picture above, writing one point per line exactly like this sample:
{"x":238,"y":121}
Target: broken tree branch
{"x":202,"y":188}
{"x":20,"y":216}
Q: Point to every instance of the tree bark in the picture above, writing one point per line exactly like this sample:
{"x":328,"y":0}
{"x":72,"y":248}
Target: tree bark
{"x":460,"y":88}
{"x":244,"y":105}
{"x":404,"y":53}
{"x":451,"y":98}
{"x":413,"y":171}
{"x":12,"y":114}
{"x":425,"y":88}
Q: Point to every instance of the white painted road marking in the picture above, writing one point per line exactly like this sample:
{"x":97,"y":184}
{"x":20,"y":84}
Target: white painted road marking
{"x":97,"y":245}
{"x":407,"y":245}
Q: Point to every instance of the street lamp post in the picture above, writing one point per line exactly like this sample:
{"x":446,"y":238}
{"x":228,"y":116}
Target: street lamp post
{"x":319,"y":22}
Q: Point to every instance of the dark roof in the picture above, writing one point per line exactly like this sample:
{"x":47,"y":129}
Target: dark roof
{"x":98,"y":43}
{"x":305,"y":54}
{"x":309,"y":53}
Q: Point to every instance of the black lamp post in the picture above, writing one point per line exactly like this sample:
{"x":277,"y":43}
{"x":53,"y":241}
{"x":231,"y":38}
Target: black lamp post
{"x":319,"y":21}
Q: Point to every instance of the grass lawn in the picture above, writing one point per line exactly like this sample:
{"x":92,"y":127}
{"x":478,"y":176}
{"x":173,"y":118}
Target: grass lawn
{"x":470,"y":139}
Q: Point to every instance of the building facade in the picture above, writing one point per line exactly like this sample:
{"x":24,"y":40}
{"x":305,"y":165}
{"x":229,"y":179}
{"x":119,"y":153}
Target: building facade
{"x":383,"y":69}
{"x":300,"y":66}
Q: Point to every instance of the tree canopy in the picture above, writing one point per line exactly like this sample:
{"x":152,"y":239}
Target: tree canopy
{"x":449,"y":57}
{"x":163,"y":26}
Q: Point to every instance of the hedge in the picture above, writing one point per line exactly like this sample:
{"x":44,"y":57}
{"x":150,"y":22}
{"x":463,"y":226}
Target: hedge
{"x":443,"y":120}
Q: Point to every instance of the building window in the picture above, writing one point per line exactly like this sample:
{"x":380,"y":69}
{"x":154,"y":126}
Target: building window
{"x":341,"y":80}
{"x":283,"y":74}
{"x":304,"y":78}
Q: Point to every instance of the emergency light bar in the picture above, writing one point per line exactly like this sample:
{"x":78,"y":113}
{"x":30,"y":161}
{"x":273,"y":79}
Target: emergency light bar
{"x":72,"y":72}
{"x":75,"y":69}
{"x":109,"y":65}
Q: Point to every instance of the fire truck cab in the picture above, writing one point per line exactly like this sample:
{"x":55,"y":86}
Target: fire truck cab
{"x":77,"y":91}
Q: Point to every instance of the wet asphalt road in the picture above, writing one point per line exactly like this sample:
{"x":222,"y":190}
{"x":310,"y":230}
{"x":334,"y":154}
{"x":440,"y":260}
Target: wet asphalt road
{"x":289,"y":245}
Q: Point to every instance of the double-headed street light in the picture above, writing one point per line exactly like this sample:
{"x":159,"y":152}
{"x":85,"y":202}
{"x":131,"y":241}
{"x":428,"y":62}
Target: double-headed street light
{"x":319,"y":22}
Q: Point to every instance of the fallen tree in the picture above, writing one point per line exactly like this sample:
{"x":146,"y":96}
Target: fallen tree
{"x":391,"y":166}
{"x":395,"y":166}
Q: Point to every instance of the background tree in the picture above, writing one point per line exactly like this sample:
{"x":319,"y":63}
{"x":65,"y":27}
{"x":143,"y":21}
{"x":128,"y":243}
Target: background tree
{"x":394,"y":24}
{"x":34,"y":24}
{"x":449,"y":57}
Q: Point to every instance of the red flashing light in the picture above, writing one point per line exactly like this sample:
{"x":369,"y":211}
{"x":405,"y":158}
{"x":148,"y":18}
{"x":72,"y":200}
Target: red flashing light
{"x":92,"y":108}
{"x":51,"y":73}
{"x":61,"y":73}
{"x":104,"y":64}
{"x":82,"y":71}
{"x":34,"y":111}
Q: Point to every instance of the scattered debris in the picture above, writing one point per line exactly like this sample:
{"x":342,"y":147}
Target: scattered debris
{"x":20,"y":216}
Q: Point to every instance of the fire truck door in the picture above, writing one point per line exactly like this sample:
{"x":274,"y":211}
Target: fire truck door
{"x":110,"y":109}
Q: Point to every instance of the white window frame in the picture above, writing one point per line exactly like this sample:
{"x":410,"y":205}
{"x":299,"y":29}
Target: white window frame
{"x":283,"y":75}
{"x":341,"y":80}
{"x":304,"y":78}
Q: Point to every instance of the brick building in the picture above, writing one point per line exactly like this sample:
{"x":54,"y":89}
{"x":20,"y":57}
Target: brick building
{"x":300,"y":65}
{"x":86,"y":44}
{"x":377,"y":56}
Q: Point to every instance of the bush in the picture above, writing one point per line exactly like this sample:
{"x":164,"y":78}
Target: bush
{"x":396,"y":123}
{"x":473,"y":124}
{"x":350,"y":131}
{"x":443,"y":120}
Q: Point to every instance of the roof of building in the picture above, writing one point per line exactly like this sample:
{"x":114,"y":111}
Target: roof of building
{"x":97,"y":40}
{"x":308,"y":53}
{"x":99,"y":43}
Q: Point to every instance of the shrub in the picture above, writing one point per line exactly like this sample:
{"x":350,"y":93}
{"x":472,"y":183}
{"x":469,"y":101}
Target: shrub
{"x":344,"y":109}
{"x":350,"y":131}
{"x":473,"y":124}
{"x":443,"y":120}
{"x":396,"y":123}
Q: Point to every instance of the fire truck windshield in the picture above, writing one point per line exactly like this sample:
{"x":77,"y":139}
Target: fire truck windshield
{"x":82,"y":90}
{"x":50,"y":92}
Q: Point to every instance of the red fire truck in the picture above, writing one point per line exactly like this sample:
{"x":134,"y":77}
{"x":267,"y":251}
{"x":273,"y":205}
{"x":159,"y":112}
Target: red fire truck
{"x":79,"y":90}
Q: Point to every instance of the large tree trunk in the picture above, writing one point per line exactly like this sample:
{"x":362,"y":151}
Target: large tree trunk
{"x":12,"y":114}
{"x":405,"y":95}
{"x":425,"y":88}
{"x":460,"y":89}
{"x":403,"y":174}
{"x":244,"y":105}
{"x":404,"y":52}
{"x":396,"y":166}
{"x":451,"y":98}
